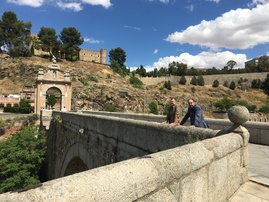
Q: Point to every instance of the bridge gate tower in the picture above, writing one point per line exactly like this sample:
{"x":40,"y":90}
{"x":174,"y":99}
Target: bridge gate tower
{"x":52,"y":82}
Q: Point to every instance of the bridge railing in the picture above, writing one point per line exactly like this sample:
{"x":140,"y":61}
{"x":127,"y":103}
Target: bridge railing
{"x":208,"y":170}
{"x":259,"y":131}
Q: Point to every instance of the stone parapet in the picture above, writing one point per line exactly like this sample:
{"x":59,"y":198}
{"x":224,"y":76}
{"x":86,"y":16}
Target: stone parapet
{"x":259,"y":131}
{"x":210,"y":170}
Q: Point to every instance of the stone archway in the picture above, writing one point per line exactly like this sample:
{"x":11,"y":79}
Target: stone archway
{"x":76,"y":165}
{"x":53,"y":82}
{"x":58,"y":94}
{"x":75,"y":154}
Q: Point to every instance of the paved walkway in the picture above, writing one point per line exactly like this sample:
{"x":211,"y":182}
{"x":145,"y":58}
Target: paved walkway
{"x":257,"y":188}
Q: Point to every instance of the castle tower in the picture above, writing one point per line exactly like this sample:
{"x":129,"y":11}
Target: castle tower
{"x":103,"y":56}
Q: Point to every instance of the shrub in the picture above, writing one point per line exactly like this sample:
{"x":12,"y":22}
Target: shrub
{"x":215,"y":84}
{"x":153,"y":108}
{"x":194,"y":81}
{"x":110,"y":107}
{"x":84,"y":81}
{"x":166,"y":108}
{"x":256,"y":83}
{"x":224,"y":104}
{"x":200,"y":80}
{"x":226,"y":84}
{"x":136,"y":82}
{"x":167,"y":85}
{"x":182,"y":80}
{"x":232,"y":85}
{"x":193,"y":90}
{"x":264,"y":109}
{"x":92,"y":78}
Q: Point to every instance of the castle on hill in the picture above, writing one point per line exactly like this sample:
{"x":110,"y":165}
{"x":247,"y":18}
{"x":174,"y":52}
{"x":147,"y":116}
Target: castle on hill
{"x":84,"y":54}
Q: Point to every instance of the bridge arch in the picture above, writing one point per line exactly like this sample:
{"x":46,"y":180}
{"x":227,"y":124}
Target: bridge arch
{"x":77,"y":159}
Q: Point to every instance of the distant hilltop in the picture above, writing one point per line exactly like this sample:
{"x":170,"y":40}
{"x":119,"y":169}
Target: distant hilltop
{"x":84,"y":54}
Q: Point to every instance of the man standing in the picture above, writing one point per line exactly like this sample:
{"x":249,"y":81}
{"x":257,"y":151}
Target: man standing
{"x":195,"y":114}
{"x":174,"y":113}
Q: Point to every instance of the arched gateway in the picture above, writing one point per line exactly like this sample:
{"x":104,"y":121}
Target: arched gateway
{"x":52,"y":82}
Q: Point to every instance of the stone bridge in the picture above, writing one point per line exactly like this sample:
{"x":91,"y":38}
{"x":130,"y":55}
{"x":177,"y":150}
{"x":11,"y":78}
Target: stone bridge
{"x":135,"y":158}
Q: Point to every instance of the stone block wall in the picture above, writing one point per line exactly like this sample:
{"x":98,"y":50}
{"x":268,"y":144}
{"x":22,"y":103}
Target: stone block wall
{"x":208,"y":79}
{"x":211,"y":170}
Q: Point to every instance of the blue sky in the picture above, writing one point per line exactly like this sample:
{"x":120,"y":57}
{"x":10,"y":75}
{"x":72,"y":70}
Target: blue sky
{"x":154,"y":33}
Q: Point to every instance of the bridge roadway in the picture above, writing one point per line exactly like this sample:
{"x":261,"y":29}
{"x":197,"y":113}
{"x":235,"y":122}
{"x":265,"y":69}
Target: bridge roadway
{"x":257,"y":188}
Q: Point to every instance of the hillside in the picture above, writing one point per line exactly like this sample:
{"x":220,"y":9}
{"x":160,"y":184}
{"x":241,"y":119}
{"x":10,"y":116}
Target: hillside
{"x":106,"y":87}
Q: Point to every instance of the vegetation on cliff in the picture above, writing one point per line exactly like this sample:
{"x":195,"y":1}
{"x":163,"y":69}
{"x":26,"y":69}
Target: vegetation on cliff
{"x":21,"y":157}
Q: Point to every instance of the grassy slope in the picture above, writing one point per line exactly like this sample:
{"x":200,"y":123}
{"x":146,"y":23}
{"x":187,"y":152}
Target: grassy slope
{"x":111,"y":88}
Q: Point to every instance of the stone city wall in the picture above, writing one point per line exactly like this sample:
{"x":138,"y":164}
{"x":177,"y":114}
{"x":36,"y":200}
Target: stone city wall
{"x":210,"y":170}
{"x":208,"y":79}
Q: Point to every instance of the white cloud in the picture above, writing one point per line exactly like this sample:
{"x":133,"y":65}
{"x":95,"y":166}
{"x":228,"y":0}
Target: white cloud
{"x":162,"y":1}
{"x":63,"y":4}
{"x":255,"y":2}
{"x":155,"y":51}
{"x":202,"y":60}
{"x":190,"y":7}
{"x":217,"y":1}
{"x":72,"y":6}
{"x":129,"y":27}
{"x":236,"y":29}
{"x":104,"y":3}
{"x":91,"y":40}
{"x":36,"y":3}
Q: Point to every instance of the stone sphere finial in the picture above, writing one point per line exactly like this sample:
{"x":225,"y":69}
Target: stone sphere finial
{"x":238,"y":114}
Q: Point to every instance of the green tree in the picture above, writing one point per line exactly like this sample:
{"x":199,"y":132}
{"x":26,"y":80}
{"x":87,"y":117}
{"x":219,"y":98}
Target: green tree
{"x":15,"y":35}
{"x":256,"y":83}
{"x":117,"y":59}
{"x":153,"y":108}
{"x":24,"y":103}
{"x":265,"y":85}
{"x":194,"y":81}
{"x":71,"y":40}
{"x":215,"y":83}
{"x":141,"y":71}
{"x":231,"y":64}
{"x":172,"y":69}
{"x":200,"y":80}
{"x":226,"y":83}
{"x":51,"y":101}
{"x":232,"y":85}
{"x":167,"y":85}
{"x":182,"y":80}
{"x":48,"y":38}
{"x":263,"y":64}
{"x":21,"y":157}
